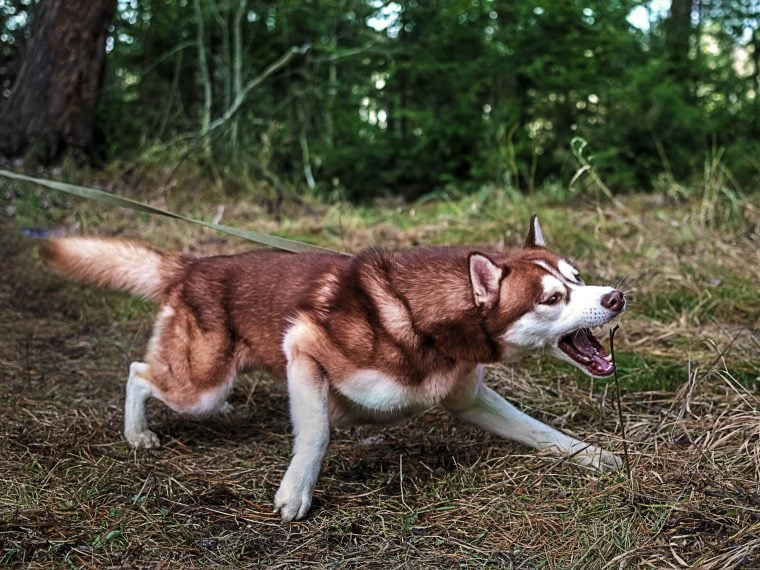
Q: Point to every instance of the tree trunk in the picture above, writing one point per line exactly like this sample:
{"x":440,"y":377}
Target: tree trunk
{"x":51,"y":106}
{"x":678,"y":32}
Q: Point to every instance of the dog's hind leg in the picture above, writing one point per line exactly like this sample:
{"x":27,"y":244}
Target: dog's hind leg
{"x":139,"y":389}
{"x":479,"y":405}
{"x":308,"y":392}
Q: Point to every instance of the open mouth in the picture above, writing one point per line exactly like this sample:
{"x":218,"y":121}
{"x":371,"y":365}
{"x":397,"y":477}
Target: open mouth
{"x":584,"y":349}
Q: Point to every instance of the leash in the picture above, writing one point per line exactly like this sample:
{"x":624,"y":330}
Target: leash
{"x":121,"y":202}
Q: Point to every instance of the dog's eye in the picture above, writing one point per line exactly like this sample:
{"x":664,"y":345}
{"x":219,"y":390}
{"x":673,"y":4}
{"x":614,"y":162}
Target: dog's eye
{"x":553,"y":300}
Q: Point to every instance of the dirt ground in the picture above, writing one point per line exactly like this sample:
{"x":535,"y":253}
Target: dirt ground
{"x":429,"y":492}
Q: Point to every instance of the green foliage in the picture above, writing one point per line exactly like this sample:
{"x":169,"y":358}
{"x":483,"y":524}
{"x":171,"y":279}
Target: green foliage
{"x":407,"y":97}
{"x":13,"y":25}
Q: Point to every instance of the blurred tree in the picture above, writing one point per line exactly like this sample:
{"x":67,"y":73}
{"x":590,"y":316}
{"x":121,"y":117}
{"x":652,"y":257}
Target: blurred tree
{"x":406,"y":97}
{"x":678,"y":35}
{"x":51,"y":105}
{"x":14,"y":31}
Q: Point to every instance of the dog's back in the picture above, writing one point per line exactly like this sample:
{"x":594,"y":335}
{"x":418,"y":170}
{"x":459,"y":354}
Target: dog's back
{"x":253,"y":297}
{"x":248,"y":297}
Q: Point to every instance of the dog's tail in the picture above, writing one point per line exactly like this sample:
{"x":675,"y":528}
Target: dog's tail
{"x":114,"y":263}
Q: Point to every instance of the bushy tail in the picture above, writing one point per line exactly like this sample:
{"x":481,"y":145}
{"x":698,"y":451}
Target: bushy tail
{"x":114,"y":263}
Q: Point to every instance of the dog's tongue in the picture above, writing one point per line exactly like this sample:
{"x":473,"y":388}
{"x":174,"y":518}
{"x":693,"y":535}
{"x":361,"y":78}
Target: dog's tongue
{"x":583,"y":347}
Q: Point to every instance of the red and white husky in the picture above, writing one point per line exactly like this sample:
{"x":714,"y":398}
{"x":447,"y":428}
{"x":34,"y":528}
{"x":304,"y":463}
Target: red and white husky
{"x":372,"y":337}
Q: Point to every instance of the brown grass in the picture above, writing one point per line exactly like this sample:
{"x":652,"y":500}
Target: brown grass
{"x":429,"y":492}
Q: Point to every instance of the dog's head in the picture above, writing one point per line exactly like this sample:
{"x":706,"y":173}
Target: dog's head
{"x":536,"y":298}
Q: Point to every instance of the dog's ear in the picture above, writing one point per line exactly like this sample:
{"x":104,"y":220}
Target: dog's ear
{"x":535,"y":237}
{"x":485,"y":277}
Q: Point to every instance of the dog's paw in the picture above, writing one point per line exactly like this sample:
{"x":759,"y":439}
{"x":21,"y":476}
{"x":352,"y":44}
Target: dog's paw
{"x":142,"y":439}
{"x":600,"y":459}
{"x":225,"y":409}
{"x":292,"y":502}
{"x":609,"y":461}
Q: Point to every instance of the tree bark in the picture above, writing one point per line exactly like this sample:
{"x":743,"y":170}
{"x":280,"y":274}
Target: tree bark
{"x":52,"y":103}
{"x":678,"y":33}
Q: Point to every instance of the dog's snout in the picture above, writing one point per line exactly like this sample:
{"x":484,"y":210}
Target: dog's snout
{"x":614,"y":301}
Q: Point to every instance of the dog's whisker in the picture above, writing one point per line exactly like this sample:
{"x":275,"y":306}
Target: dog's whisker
{"x":620,"y":281}
{"x":626,"y":283}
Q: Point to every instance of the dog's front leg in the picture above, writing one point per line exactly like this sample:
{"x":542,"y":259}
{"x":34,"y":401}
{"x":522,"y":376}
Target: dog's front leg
{"x":477,"y":404}
{"x":308,"y":391}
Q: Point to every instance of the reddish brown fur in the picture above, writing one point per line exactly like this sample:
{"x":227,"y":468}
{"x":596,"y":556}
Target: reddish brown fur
{"x":225,"y":313}
{"x":114,"y":263}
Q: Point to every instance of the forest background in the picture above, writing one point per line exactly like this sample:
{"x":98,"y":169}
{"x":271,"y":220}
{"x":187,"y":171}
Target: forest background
{"x":359,"y":99}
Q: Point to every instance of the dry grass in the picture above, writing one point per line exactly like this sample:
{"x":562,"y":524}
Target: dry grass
{"x":429,"y":492}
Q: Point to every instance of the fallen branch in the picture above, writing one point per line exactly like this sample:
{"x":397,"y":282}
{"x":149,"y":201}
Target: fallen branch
{"x":619,"y":404}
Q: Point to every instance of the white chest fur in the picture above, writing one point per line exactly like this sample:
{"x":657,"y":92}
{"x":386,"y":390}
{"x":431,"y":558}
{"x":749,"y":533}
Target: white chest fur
{"x":379,"y":392}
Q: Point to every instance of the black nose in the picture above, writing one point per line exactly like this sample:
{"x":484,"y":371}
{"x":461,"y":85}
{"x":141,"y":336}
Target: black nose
{"x":614,"y":301}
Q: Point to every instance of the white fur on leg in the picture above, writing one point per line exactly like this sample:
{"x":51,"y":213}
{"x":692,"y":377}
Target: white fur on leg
{"x":139,"y":389}
{"x":489,"y":411}
{"x":308,"y":393}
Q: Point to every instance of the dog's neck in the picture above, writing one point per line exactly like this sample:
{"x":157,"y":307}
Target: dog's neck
{"x":434,"y":283}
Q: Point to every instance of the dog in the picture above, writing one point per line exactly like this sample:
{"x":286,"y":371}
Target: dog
{"x":372,"y":337}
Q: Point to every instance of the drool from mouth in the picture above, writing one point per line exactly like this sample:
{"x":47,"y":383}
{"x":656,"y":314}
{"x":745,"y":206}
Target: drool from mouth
{"x":583,"y":348}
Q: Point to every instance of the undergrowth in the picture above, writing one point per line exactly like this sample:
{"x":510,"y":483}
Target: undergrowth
{"x":428,"y":492}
